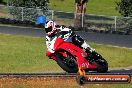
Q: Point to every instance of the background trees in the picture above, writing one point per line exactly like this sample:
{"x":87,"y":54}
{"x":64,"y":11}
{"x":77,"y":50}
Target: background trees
{"x":2,"y":2}
{"x":125,"y":7}
{"x":42,"y":4}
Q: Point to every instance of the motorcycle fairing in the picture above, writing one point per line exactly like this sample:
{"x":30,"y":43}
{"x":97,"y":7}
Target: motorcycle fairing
{"x":78,"y":53}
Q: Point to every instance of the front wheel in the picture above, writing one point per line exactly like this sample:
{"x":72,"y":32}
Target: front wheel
{"x":68,"y":63}
{"x":102,"y":65}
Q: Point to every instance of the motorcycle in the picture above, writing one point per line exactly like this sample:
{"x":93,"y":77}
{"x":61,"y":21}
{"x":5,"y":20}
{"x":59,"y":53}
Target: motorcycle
{"x":73,"y":59}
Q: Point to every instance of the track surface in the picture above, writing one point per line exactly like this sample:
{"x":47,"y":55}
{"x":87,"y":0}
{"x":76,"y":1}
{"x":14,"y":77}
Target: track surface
{"x":56,"y":74}
{"x":112,"y":39}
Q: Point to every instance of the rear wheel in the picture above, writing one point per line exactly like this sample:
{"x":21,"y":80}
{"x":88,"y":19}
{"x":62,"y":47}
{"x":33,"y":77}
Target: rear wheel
{"x":68,"y":63}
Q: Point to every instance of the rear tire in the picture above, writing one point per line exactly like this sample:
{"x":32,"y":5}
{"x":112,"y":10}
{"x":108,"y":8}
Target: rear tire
{"x":70,"y":67}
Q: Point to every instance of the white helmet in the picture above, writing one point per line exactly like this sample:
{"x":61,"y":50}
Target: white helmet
{"x":50,"y":28}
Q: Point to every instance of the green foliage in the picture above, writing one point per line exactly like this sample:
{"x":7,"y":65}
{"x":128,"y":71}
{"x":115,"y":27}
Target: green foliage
{"x":42,"y":4}
{"x":30,"y":9}
{"x":125,"y":7}
{"x":2,"y":2}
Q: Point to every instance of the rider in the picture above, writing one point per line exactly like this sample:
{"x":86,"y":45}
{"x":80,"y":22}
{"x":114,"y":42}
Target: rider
{"x":64,"y":32}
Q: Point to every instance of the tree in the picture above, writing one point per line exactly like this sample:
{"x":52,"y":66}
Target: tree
{"x":42,"y":4}
{"x":28,"y":9}
{"x":2,"y":2}
{"x":125,"y":7}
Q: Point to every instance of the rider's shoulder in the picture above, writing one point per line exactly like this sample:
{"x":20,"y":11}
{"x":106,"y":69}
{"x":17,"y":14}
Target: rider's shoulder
{"x":62,"y":28}
{"x":66,"y":29}
{"x":47,"y":37}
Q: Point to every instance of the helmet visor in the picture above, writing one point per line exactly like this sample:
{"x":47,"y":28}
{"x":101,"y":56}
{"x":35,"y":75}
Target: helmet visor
{"x":49,"y":29}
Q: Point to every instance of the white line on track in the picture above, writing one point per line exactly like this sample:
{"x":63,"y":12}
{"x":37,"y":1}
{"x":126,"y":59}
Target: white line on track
{"x":113,"y":46}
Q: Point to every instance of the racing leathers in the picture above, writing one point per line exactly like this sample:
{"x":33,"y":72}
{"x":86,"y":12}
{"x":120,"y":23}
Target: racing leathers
{"x":68,"y":35}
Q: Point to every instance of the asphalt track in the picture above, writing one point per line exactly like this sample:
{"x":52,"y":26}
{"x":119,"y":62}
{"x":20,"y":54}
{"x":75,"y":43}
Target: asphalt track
{"x":101,"y":38}
{"x":63,"y":74}
{"x":111,"y":39}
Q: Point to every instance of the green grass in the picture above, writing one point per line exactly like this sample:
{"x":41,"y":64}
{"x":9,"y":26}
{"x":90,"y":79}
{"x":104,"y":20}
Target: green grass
{"x":27,"y":54}
{"x":98,"y":7}
{"x":117,"y":57}
{"x":23,"y":54}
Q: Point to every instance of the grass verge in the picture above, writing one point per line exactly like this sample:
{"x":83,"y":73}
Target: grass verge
{"x":98,"y":7}
{"x":27,"y":54}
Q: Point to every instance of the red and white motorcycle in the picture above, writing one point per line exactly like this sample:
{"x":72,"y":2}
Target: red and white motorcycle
{"x":72,"y":58}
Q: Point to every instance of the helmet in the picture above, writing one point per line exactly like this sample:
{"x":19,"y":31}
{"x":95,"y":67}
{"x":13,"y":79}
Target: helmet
{"x":50,"y":28}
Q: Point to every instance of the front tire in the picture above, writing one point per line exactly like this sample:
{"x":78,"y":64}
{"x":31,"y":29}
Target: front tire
{"x":102,"y":65}
{"x":67,"y":64}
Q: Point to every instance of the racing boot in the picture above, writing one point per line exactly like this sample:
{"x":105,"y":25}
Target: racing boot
{"x":87,"y":47}
{"x":89,"y":51}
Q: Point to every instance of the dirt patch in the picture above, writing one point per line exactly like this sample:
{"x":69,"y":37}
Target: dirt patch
{"x":36,"y":82}
{"x":3,"y":15}
{"x":48,"y":82}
